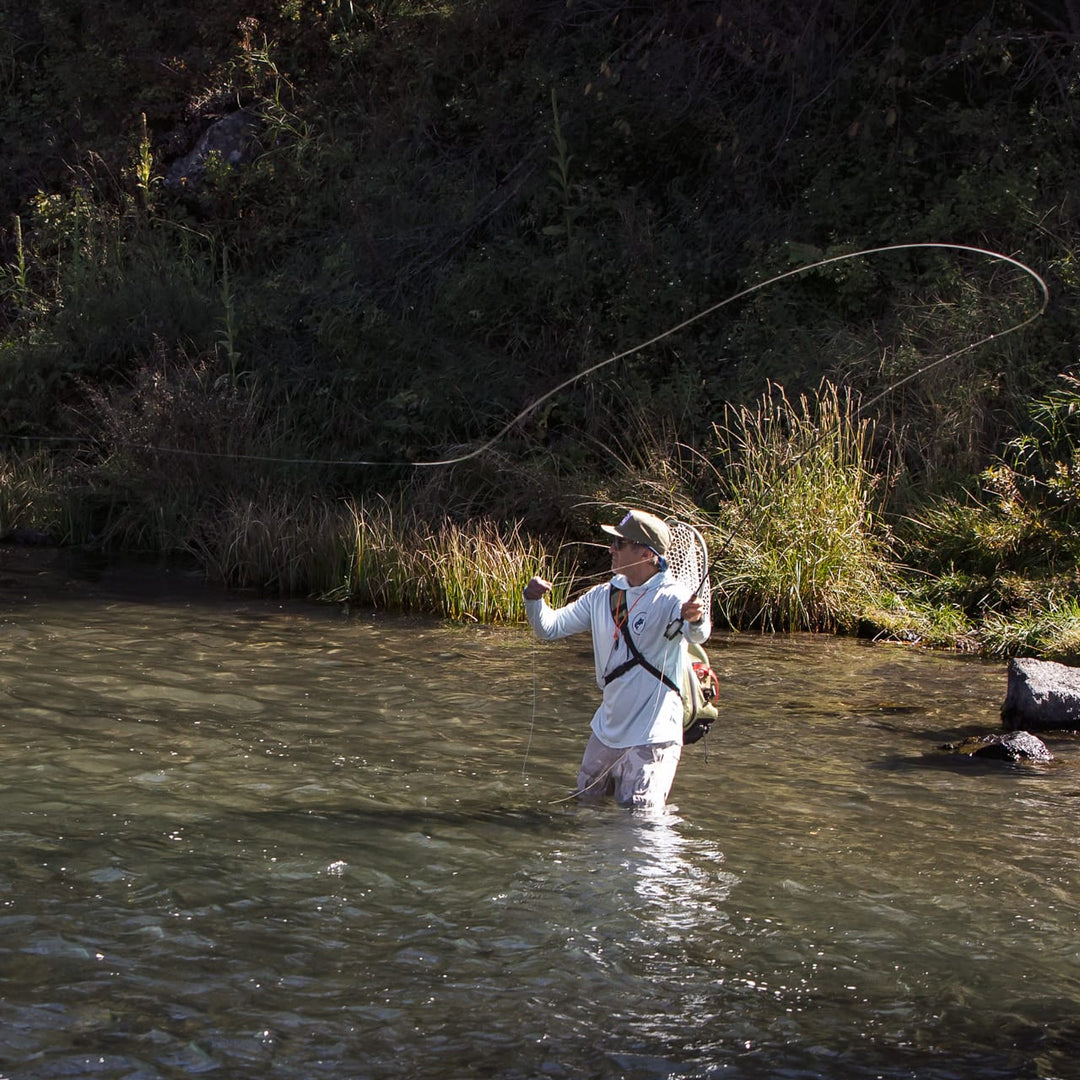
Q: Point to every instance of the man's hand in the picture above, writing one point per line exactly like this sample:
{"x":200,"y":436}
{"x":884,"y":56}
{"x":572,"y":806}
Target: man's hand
{"x":691,"y":611}
{"x":537,"y":588}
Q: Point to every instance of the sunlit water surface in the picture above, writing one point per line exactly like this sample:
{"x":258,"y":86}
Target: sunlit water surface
{"x":251,"y":839}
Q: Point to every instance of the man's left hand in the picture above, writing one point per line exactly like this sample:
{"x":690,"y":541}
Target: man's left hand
{"x":692,"y":611}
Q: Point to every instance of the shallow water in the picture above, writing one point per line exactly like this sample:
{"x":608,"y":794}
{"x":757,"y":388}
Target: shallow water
{"x":251,"y":839}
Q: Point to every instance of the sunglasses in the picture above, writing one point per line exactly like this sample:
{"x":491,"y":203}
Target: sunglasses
{"x":620,"y":542}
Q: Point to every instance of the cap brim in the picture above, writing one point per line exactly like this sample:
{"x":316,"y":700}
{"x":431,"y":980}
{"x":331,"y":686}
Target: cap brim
{"x":611,"y":530}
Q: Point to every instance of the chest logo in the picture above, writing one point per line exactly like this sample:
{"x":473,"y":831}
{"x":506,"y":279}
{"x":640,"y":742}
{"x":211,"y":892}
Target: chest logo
{"x":639,"y":623}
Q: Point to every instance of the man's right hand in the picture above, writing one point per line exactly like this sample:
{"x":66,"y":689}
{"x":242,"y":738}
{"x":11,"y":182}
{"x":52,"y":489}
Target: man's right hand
{"x":537,"y":588}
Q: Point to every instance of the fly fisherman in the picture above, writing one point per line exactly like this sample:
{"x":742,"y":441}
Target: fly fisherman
{"x":640,"y":623}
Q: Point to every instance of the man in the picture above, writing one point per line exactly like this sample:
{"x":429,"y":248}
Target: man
{"x":636,"y":738}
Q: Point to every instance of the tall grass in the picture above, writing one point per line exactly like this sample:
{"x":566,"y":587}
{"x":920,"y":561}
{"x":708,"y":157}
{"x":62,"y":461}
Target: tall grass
{"x":279,"y":541}
{"x":373,"y":556}
{"x":479,"y":572}
{"x":995,"y":529}
{"x":803,"y":546}
{"x":181,"y":465}
{"x":474,"y":571}
{"x":29,"y":498}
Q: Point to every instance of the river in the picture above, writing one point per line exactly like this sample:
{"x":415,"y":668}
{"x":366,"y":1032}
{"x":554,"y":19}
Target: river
{"x":247,"y":838}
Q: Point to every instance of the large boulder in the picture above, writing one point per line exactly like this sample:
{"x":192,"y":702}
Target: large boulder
{"x":1041,"y":696}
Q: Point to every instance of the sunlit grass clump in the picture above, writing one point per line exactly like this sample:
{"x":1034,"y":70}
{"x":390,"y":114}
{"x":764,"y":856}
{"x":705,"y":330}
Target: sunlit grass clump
{"x":474,"y":571}
{"x":372,"y":556}
{"x":802,"y":545}
{"x":986,"y":534}
{"x":1050,"y":630}
{"x":910,"y":618}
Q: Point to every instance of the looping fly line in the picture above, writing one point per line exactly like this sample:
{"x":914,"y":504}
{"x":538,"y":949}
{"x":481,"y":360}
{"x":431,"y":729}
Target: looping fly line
{"x":742,"y":294}
{"x":704,"y":313}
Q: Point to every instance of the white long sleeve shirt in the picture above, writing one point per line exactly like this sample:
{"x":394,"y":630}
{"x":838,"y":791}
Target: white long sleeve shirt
{"x":637,"y":708}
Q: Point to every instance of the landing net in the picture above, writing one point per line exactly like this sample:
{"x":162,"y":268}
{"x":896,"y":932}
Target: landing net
{"x":688,"y":561}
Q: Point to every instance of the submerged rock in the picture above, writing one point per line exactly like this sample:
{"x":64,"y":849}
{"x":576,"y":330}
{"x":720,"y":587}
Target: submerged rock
{"x":1041,"y":696}
{"x":1012,"y":746}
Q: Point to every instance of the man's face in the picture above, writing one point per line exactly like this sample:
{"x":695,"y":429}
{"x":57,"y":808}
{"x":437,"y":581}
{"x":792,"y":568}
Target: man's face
{"x":626,"y":555}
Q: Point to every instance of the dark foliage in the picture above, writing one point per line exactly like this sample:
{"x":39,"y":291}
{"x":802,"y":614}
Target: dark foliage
{"x":450,"y":212}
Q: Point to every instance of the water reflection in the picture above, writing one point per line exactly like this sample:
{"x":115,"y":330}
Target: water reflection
{"x":258,"y":840}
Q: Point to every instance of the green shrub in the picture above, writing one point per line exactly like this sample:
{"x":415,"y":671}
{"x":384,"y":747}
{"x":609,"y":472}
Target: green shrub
{"x":1025,"y":514}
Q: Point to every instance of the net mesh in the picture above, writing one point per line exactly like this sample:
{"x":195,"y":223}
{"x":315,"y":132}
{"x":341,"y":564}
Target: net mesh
{"x":688,"y":561}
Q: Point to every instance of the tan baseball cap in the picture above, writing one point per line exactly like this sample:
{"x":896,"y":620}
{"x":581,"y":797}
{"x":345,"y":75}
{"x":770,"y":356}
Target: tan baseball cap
{"x":643,"y":528}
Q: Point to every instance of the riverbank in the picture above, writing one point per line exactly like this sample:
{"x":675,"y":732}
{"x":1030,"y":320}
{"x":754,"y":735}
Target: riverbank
{"x":34,"y":573}
{"x":30,"y":574}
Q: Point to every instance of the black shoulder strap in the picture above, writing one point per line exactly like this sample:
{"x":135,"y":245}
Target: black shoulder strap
{"x":635,"y":654}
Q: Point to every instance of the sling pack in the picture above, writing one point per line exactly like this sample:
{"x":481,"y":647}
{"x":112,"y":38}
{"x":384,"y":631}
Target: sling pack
{"x":700,"y":686}
{"x":702,"y":690}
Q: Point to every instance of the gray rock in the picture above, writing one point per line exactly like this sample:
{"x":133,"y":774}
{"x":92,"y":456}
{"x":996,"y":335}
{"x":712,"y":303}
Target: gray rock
{"x":1041,"y":696}
{"x":1014,"y":746}
{"x":231,"y":138}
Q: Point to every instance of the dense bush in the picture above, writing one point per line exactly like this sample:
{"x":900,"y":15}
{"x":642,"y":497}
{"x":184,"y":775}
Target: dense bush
{"x":452,"y":209}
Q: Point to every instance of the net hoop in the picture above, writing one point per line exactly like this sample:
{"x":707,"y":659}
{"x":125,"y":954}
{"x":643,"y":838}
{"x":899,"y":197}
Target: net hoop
{"x":688,"y":561}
